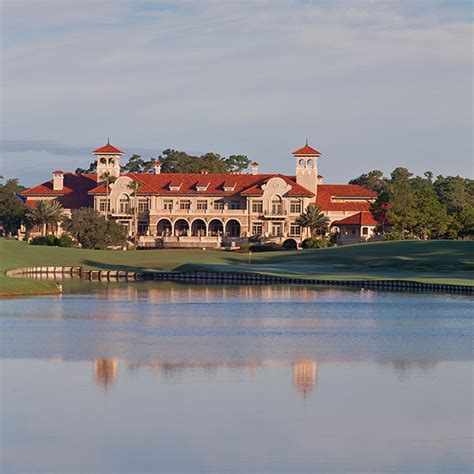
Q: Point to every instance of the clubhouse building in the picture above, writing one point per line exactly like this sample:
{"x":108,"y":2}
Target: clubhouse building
{"x":211,"y":210}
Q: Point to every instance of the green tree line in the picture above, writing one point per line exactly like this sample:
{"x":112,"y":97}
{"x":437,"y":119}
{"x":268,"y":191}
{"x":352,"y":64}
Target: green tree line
{"x":173,"y":161}
{"x":421,"y":207}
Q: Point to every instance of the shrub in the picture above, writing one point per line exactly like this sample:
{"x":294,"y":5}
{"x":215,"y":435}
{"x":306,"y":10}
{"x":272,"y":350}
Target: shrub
{"x":315,"y":243}
{"x":245,"y":247}
{"x":65,"y":241}
{"x":398,"y":235}
{"x":49,"y":240}
{"x":290,"y":244}
{"x":265,"y":248}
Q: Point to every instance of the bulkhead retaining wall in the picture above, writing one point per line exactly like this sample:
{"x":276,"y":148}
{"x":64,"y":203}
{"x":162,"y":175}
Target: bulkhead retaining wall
{"x":241,"y":278}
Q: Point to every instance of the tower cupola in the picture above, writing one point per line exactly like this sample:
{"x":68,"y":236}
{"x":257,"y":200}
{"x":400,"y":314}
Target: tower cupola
{"x":307,"y":167}
{"x":108,"y":160}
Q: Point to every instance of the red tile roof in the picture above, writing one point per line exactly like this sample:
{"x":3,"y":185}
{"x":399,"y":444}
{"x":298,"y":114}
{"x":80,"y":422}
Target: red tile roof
{"x":74,"y":193}
{"x":31,"y":203}
{"x":361,"y":218}
{"x":57,"y":171}
{"x":327,"y":192}
{"x":202,"y":183}
{"x":108,"y":150}
{"x":296,"y":189}
{"x":306,"y":150}
{"x":78,"y":189}
{"x":245,"y":184}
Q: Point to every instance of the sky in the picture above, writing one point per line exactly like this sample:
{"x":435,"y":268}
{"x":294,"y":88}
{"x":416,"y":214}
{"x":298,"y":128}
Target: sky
{"x":370,"y":84}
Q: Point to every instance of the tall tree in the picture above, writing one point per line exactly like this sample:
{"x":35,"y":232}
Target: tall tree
{"x":46,"y":213}
{"x":239,"y":162}
{"x":431,"y":217}
{"x":455,"y":192}
{"x":373,"y":180}
{"x":91,"y":170}
{"x":312,"y":218}
{"x":92,"y":231}
{"x":12,"y":207}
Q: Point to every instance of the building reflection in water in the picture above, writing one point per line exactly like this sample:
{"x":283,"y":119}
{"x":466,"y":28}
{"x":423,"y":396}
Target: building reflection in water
{"x":305,"y":374}
{"x":305,"y":371}
{"x":105,"y":372}
{"x":172,"y":292}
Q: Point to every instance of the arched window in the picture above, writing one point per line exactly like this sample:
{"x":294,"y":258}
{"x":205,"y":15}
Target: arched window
{"x":302,"y":163}
{"x":277,"y":205}
{"x":124,"y":203}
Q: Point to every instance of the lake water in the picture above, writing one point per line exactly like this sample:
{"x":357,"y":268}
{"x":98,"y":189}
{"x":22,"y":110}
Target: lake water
{"x":160,"y":377}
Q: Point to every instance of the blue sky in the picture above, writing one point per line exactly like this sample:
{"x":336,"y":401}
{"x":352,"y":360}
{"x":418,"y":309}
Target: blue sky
{"x":371,"y":84}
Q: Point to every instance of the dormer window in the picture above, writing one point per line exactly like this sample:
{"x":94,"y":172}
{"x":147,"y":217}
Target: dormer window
{"x":202,"y":185}
{"x":228,"y":186}
{"x":175,"y":185}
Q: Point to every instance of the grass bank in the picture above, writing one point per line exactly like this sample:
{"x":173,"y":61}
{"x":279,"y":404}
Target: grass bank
{"x":448,"y":262}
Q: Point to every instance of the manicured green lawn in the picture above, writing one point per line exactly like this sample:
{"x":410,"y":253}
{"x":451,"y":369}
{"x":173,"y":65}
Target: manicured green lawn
{"x":431,"y":261}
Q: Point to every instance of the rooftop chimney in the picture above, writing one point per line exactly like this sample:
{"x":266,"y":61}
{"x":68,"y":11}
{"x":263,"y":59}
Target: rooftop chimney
{"x":254,"y":168}
{"x":58,"y":180}
{"x":157,"y":167}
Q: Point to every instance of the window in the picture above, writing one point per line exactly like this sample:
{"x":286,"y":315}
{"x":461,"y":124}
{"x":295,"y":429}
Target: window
{"x":168,"y":204}
{"x":219,"y":205}
{"x":295,"y":207}
{"x":142,"y":228}
{"x":295,"y":229}
{"x":104,"y":205}
{"x":277,"y":230}
{"x":257,"y":206}
{"x":257,"y":228}
{"x":143,"y":205}
{"x":185,"y":205}
{"x":202,"y":205}
{"x":235,"y":204}
{"x":365,"y":231}
{"x":277,"y":206}
{"x":124,"y":204}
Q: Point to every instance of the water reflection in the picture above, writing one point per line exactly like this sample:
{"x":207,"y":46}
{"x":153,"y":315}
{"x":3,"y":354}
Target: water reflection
{"x":175,"y":292}
{"x":226,"y":379}
{"x":304,"y":372}
{"x":105,"y":372}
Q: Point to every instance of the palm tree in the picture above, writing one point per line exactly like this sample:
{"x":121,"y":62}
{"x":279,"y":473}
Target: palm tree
{"x":313,"y":219}
{"x":46,"y":213}
{"x":109,"y":179}
{"x":134,"y":187}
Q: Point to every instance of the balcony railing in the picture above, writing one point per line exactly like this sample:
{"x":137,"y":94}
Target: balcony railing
{"x":275,"y":213}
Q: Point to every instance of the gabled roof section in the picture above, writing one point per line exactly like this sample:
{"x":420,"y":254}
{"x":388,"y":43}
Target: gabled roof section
{"x":74,"y":193}
{"x":326,"y":192}
{"x":202,"y":185}
{"x":107,"y":150}
{"x":175,"y":184}
{"x":296,"y":189}
{"x":229,"y":185}
{"x":306,"y":151}
{"x":359,"y":219}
